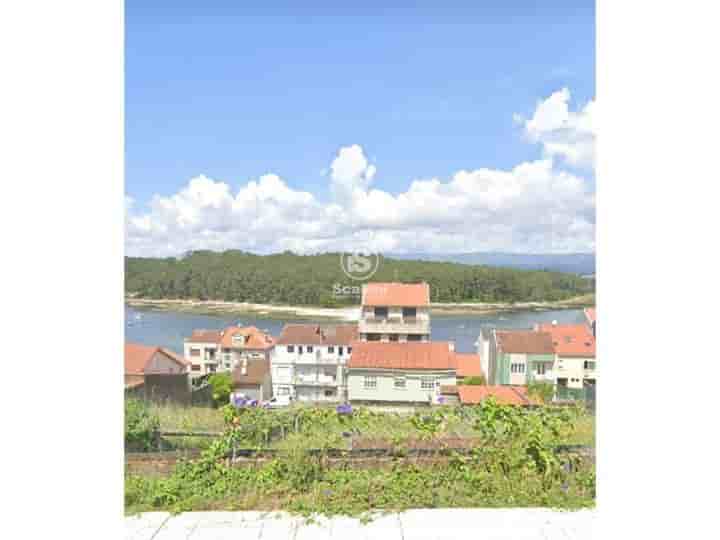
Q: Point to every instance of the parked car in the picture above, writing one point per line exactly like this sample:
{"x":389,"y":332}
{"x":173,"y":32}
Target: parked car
{"x":278,"y":402}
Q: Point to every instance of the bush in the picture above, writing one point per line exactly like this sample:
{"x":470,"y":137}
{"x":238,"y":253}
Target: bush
{"x":221,"y":388}
{"x":478,"y":380}
{"x":140,"y":424}
{"x":541,"y":390}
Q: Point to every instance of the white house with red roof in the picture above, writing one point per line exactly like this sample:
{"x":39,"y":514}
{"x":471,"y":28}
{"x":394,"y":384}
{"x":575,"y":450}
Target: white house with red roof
{"x":405,"y":373}
{"x":308,"y":361}
{"x":395,"y":312}
{"x":211,"y":351}
{"x":575,"y":364}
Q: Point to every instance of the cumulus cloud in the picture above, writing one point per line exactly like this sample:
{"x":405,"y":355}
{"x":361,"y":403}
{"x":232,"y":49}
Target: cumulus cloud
{"x":563,"y":133}
{"x":351,"y":173}
{"x":533,"y":207}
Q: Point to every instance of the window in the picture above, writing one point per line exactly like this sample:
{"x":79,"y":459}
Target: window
{"x":290,"y":348}
{"x":426,"y":383}
{"x":540,"y":369}
{"x":409,"y":312}
{"x":349,"y":350}
{"x":394,"y":337}
{"x":331,"y":350}
{"x":300,"y":349}
{"x":373,"y":337}
{"x":194,"y":352}
{"x":329,"y":393}
{"x":589,"y":364}
{"x":414,"y":337}
{"x":381,"y":312}
{"x":517,"y":368}
{"x":309,"y":348}
{"x":340,"y":351}
{"x":196,"y":367}
{"x":238,"y":340}
{"x":283,"y":391}
{"x":370,"y":381}
{"x":212,"y":368}
{"x":227,"y":365}
{"x":400,"y":383}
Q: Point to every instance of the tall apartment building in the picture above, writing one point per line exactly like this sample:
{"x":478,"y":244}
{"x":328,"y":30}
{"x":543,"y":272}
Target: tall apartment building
{"x":309,"y":361}
{"x":211,"y":351}
{"x":395,"y":312}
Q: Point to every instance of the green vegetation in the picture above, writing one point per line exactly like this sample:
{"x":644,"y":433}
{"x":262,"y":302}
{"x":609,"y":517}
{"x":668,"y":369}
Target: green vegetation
{"x":544,"y":391}
{"x":140,"y":424}
{"x":477,"y":380}
{"x":287,"y":278}
{"x":512,"y":463}
{"x":221,"y":387}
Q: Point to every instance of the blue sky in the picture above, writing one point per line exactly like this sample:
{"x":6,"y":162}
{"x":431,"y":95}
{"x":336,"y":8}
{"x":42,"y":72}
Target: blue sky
{"x":232,"y":91}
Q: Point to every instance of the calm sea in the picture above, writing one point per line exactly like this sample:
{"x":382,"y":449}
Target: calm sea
{"x":168,"y":328}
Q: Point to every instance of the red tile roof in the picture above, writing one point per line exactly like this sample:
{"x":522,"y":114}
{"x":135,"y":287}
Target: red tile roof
{"x":255,"y":339}
{"x":468,"y":365}
{"x":396,"y":294}
{"x":314,"y":334}
{"x":300,"y":334}
{"x":427,"y":355}
{"x":137,"y":357}
{"x":524,"y":341}
{"x":204,"y":336}
{"x":571,"y":339}
{"x":504,"y":395}
{"x":340,"y":334}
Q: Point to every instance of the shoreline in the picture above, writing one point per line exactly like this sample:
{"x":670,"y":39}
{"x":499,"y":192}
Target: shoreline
{"x":348,"y":313}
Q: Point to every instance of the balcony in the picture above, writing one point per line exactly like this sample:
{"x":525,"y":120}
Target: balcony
{"x":315,"y":381}
{"x":315,"y":358}
{"x":394,"y":325}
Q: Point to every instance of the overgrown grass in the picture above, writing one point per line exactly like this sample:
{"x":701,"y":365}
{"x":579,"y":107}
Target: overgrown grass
{"x":513,"y":463}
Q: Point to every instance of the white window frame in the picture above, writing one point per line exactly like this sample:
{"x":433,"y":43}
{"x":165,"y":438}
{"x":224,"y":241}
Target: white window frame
{"x":403,"y":382}
{"x":370,"y":382}
{"x":427,"y":383}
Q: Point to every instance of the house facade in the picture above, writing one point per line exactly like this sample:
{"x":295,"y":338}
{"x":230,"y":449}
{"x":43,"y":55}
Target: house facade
{"x":212,"y":351}
{"x":156,"y":374}
{"x":400,"y":373}
{"x":575,"y":372}
{"x":518,"y":357}
{"x":562,"y":355}
{"x":395,"y":312}
{"x":252,"y":379}
{"x":309,"y":362}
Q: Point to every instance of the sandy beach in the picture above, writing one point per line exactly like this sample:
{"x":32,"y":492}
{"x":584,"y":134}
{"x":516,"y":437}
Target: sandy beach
{"x":350,"y":313}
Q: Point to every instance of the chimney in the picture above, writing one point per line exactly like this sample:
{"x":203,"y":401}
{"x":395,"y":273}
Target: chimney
{"x":554,"y":323}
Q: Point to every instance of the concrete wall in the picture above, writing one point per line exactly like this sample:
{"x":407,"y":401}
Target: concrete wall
{"x":386,"y":391}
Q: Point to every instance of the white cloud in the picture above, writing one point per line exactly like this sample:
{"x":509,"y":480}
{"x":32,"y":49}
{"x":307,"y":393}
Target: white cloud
{"x":351,"y":172}
{"x":533,"y":207}
{"x":563,"y":133}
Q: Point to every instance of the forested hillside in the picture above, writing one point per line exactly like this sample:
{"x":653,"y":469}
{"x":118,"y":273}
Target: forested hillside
{"x":286,"y":278}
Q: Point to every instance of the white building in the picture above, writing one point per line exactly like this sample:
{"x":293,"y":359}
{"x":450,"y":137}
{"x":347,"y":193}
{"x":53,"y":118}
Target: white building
{"x":402,"y":373}
{"x":211,"y":351}
{"x":308,"y":361}
{"x":395,"y":312}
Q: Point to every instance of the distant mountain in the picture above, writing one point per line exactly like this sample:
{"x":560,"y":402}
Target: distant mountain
{"x":576,"y":263}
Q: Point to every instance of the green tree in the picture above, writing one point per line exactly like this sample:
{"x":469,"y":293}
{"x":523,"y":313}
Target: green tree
{"x":221,"y":387}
